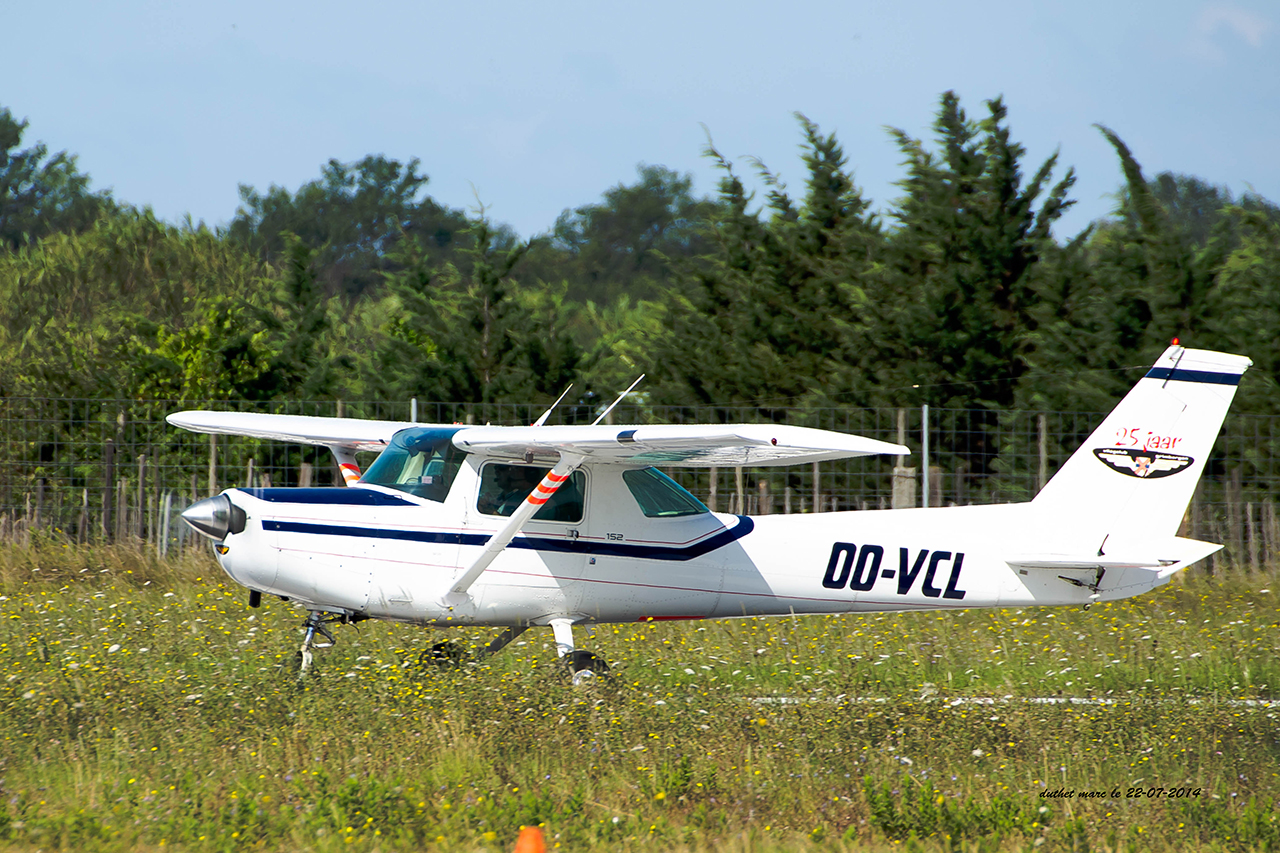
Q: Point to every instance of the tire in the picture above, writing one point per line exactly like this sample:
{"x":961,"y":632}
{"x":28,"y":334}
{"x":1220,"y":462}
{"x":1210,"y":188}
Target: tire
{"x":583,"y":665}
{"x":445,"y":655}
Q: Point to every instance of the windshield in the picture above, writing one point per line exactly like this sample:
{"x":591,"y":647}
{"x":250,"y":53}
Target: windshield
{"x":660,"y":496}
{"x":421,"y":461}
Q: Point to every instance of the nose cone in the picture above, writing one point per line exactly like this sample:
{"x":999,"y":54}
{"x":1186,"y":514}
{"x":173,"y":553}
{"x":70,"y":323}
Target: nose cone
{"x":215,"y":517}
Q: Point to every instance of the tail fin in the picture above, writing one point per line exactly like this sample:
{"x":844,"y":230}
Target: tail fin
{"x":1133,"y":478}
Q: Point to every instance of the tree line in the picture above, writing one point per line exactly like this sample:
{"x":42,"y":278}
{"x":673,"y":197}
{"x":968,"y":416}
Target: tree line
{"x":360,"y":285}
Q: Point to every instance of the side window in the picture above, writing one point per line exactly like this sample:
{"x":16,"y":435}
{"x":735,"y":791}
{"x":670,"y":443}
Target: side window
{"x":659,"y":496}
{"x":504,"y":487}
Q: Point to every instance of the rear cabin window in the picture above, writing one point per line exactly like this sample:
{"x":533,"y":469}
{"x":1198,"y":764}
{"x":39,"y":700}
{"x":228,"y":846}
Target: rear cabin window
{"x":504,"y":487}
{"x":660,"y":496}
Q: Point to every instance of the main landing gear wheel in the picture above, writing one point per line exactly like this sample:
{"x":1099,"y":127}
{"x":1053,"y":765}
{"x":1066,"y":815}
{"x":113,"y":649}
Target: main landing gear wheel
{"x":445,"y":655}
{"x":581,"y":665}
{"x":584,"y":666}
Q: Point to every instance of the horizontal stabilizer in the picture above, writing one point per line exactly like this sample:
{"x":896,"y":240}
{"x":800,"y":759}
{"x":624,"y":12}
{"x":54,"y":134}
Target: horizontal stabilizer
{"x":1165,"y":557}
{"x":1063,"y":561}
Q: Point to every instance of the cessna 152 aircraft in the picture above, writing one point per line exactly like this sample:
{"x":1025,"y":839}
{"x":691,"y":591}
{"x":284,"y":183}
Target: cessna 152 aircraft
{"x":562,"y":526}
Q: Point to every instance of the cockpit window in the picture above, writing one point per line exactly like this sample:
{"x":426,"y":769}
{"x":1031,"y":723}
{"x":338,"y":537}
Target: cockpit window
{"x":421,"y":461}
{"x":504,"y":487}
{"x":660,"y":496}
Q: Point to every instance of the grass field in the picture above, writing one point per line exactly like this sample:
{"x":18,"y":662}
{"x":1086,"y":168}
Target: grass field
{"x":143,"y":706}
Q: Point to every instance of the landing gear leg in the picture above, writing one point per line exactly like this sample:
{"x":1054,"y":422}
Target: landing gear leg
{"x":582,"y":665}
{"x":315,"y":624}
{"x":504,"y":639}
{"x":451,"y":655}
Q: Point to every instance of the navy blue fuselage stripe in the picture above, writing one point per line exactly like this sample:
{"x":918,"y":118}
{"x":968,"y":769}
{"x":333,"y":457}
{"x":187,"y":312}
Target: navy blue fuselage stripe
{"x":1194,"y":376}
{"x":532,"y":543}
{"x":333,"y":496}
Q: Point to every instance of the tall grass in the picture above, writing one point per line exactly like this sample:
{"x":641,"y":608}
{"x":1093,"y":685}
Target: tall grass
{"x":142,"y":704}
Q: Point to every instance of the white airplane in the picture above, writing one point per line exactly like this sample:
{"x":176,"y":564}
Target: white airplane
{"x":562,"y":526}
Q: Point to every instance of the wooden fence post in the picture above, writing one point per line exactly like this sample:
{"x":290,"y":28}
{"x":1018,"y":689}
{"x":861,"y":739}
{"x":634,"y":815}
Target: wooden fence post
{"x":904,"y":487}
{"x":817,"y":489}
{"x":935,"y":485}
{"x":1234,"y":533}
{"x":122,"y":508}
{"x":1254,"y":563}
{"x":1271,"y":540}
{"x":82,"y":524}
{"x":213,"y":464}
{"x":904,"y":478}
{"x":108,"y":490}
{"x":166,"y":507}
{"x":1043,"y":477}
{"x":154,"y":497}
{"x":1194,"y":511}
{"x":121,"y":485}
{"x":141,"y":529}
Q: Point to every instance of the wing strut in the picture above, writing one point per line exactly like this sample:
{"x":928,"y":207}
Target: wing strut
{"x":457,"y":593}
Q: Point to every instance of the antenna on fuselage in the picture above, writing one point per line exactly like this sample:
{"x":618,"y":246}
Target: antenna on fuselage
{"x":605,"y":413}
{"x":542,"y":420}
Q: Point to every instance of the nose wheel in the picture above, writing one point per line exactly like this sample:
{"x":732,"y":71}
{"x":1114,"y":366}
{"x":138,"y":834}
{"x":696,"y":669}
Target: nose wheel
{"x":316,"y":624}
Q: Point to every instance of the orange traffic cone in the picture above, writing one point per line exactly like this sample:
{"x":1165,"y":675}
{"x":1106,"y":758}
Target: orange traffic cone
{"x":530,"y":841}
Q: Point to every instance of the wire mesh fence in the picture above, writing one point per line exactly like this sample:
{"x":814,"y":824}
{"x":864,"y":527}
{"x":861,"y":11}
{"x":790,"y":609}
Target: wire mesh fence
{"x":94,"y":470}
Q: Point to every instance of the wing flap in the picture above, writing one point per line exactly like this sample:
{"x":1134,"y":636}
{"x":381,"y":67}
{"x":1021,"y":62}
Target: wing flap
{"x":345,"y":433}
{"x":674,"y":445}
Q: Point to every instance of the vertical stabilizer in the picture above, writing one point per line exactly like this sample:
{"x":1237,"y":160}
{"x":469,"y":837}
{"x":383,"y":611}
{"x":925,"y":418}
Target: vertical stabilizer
{"x":1132,"y":479}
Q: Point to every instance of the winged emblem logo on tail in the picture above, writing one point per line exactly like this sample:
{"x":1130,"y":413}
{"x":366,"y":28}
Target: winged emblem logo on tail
{"x":1145,"y":464}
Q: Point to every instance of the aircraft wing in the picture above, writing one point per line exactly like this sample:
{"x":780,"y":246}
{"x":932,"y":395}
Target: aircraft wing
{"x":677,"y":446}
{"x":680,"y":446}
{"x":346,"y":433}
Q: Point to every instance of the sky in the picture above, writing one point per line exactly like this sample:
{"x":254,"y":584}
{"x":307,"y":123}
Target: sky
{"x":534,"y":108}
